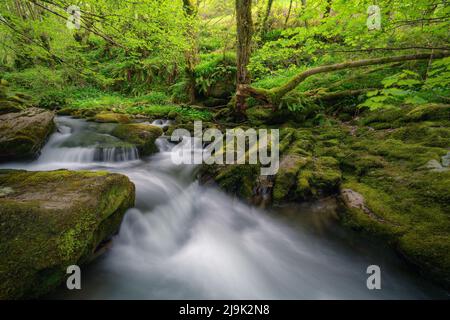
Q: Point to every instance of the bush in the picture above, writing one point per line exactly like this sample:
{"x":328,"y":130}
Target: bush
{"x":215,"y":76}
{"x":156,"y":97}
{"x":53,"y":101}
{"x":179,"y":92}
{"x":38,"y":79}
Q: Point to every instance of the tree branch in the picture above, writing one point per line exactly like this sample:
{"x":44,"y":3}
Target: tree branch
{"x":273,"y":96}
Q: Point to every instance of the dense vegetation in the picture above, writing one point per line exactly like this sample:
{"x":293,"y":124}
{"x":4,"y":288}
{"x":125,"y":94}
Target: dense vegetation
{"x":361,"y":107}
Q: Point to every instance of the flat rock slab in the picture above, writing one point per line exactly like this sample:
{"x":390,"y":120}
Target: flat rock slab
{"x":23,"y":134}
{"x":51,"y":220}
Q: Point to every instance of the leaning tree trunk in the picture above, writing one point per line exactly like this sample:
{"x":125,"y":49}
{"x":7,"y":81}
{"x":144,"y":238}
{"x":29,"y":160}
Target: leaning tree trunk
{"x":244,"y":39}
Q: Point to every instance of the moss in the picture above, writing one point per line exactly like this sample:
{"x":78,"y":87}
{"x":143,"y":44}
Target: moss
{"x":53,"y":220}
{"x":143,"y":136}
{"x":112,"y":117}
{"x":325,"y":179}
{"x":187,"y":126}
{"x":65,"y":111}
{"x":429,"y":112}
{"x":415,"y":155}
{"x":387,"y":118}
{"x":239,"y":180}
{"x":172,"y":115}
{"x":7,"y":106}
{"x":259,"y":115}
{"x":285,"y":180}
{"x":361,"y":164}
{"x":429,"y":250}
{"x":414,"y":207}
{"x":304,"y":189}
{"x":425,"y":133}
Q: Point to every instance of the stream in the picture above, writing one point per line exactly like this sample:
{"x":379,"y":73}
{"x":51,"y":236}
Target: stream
{"x":187,"y":241}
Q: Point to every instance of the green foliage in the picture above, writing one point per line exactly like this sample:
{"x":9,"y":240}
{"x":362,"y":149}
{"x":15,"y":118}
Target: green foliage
{"x":53,"y":100}
{"x":439,"y":76}
{"x":296,"y":102}
{"x":215,"y":68}
{"x":399,"y":88}
{"x":38,"y":78}
{"x":179,"y":92}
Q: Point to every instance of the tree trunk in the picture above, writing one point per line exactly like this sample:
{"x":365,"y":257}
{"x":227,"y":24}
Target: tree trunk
{"x":191,"y":55}
{"x":244,"y":39}
{"x":327,"y":9}
{"x":303,"y":10}
{"x":265,"y":27}
{"x":288,"y":14}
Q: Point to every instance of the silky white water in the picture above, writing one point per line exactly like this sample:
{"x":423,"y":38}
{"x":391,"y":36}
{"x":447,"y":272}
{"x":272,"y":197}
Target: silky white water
{"x":186,"y":241}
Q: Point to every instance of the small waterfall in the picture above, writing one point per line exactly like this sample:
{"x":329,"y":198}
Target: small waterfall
{"x":162,"y":123}
{"x":89,"y":155}
{"x":116,"y":154}
{"x":81,"y":142}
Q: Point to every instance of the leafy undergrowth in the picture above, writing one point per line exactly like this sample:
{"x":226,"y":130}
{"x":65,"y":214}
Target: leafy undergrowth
{"x":154,"y":105}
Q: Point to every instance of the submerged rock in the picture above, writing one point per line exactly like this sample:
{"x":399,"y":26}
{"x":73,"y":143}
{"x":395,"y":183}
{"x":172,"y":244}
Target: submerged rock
{"x":51,"y":220}
{"x":143,"y":136}
{"x":23,"y":134}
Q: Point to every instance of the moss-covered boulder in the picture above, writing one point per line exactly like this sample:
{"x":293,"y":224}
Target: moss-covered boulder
{"x":111,"y":117}
{"x":23,"y":134}
{"x":429,"y":112}
{"x":8,"y":106}
{"x":411,"y":214}
{"x":8,"y":103}
{"x":285,"y":179}
{"x":143,"y":136}
{"x":401,"y":173}
{"x":51,"y":220}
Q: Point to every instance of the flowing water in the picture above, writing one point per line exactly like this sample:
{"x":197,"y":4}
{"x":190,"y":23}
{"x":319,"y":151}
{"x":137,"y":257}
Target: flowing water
{"x":186,"y":241}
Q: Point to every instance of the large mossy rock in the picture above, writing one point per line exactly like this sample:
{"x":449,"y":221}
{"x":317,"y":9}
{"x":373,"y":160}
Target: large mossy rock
{"x":10,"y":103}
{"x":23,"y":134}
{"x":143,"y":136}
{"x":111,"y":117}
{"x":51,"y":220}
{"x":399,"y":169}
